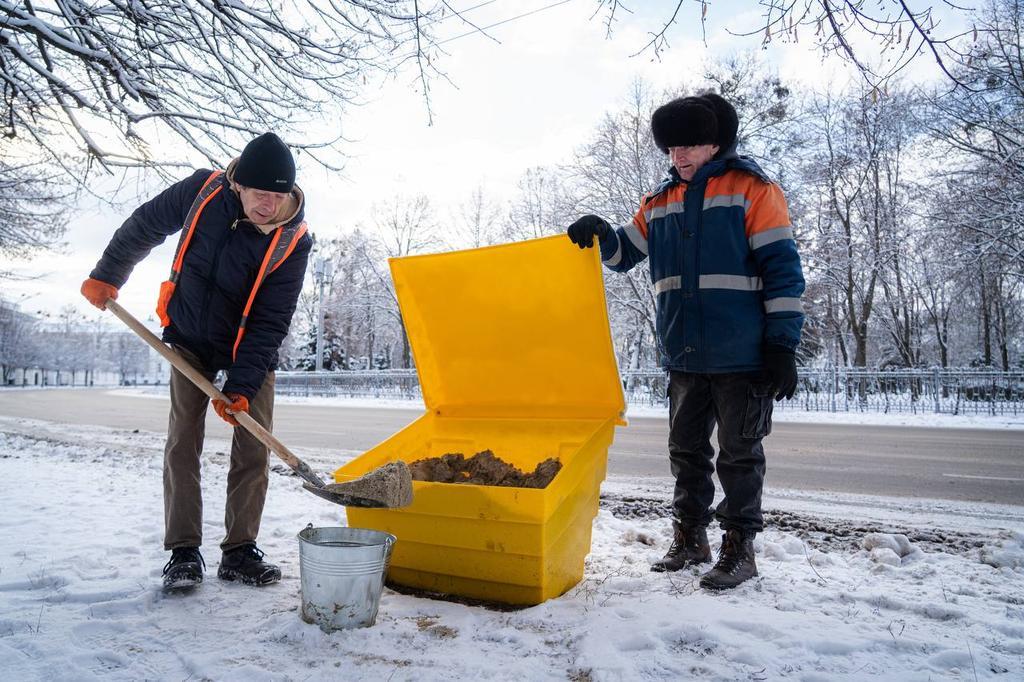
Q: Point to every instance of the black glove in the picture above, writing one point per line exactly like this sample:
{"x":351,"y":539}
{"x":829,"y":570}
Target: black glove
{"x":581,"y":233}
{"x":781,"y":365}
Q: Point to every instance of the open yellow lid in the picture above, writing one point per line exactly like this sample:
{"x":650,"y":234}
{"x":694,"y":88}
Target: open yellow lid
{"x":517,"y":330}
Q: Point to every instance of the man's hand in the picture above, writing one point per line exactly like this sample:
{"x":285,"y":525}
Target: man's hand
{"x":239,"y":403}
{"x":581,"y":233}
{"x":98,"y":292}
{"x":781,"y":365}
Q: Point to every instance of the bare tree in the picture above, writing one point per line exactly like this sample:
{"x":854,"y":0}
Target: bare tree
{"x":19,"y":347}
{"x":769,"y":110}
{"x":477,"y":221}
{"x":539,"y":207}
{"x":857,"y":174}
{"x":125,"y":83}
{"x":934,"y":289}
{"x":898,"y":32}
{"x":982,"y":131}
{"x":404,"y":227}
{"x":32,"y":216}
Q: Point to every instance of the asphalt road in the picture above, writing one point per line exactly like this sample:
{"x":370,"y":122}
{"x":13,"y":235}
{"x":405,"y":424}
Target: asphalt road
{"x":943,"y":463}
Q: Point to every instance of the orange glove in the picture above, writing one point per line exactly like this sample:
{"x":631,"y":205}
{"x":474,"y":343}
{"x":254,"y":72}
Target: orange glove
{"x":239,"y":403}
{"x":98,"y":292}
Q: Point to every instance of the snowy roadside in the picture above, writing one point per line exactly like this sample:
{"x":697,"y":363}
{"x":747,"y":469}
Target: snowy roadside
{"x":782,"y":413}
{"x":851,"y":586}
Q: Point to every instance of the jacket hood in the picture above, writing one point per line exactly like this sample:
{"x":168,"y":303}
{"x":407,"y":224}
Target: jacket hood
{"x":289,"y":210}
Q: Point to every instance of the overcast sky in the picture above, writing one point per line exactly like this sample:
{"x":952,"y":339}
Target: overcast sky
{"x":525,"y":101}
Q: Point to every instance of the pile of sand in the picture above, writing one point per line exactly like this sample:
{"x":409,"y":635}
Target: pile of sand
{"x":483,"y":468}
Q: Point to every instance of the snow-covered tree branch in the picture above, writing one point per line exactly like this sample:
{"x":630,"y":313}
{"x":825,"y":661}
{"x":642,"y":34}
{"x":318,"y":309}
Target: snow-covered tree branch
{"x":145,"y":82}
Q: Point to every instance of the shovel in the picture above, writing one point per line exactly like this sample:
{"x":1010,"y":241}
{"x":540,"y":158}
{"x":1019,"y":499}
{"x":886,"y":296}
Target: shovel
{"x":386,"y":486}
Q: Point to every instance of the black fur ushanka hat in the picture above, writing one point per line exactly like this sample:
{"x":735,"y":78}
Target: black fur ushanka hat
{"x":692,"y":121}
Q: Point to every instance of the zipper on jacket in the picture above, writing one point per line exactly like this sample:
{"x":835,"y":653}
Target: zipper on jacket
{"x":696,"y":291}
{"x":211,"y":281}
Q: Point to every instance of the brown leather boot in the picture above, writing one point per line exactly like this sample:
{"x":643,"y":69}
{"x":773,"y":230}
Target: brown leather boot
{"x":735,"y":562}
{"x":689,"y":547}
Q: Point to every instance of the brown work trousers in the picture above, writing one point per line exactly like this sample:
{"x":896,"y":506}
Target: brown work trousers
{"x":247,"y":473}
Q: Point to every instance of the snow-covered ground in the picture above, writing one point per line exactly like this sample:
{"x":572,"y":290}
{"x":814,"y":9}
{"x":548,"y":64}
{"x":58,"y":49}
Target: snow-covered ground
{"x":851,"y":587}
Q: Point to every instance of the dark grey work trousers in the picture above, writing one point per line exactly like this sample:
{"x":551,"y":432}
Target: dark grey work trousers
{"x":740,"y":404}
{"x":247,"y":472}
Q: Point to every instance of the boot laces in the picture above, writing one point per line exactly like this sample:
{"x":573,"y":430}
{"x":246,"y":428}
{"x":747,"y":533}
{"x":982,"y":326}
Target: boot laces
{"x":247,"y":553}
{"x":729,"y":559}
{"x":183,"y":555}
{"x":678,"y":542}
{"x":681,"y":540}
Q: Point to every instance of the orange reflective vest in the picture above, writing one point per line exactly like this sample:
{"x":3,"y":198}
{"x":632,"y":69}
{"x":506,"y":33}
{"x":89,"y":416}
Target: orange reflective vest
{"x":281,"y":246}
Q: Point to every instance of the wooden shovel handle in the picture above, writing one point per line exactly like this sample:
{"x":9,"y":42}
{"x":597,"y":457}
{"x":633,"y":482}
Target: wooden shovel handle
{"x":203,"y":384}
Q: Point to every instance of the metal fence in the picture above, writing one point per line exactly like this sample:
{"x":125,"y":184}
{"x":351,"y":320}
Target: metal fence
{"x":907,"y":391}
{"x":825,"y":389}
{"x":398,"y":384}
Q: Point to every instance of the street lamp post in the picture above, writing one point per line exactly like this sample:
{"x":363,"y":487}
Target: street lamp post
{"x":322,"y":270}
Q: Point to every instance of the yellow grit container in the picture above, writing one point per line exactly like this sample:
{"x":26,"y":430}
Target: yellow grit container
{"x":514,"y":355}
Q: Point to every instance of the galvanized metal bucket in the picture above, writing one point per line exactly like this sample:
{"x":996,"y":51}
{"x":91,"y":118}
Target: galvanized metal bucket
{"x":342,"y":574}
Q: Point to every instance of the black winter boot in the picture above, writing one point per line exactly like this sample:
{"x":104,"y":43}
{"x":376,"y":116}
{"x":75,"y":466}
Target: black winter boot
{"x":689,"y":547}
{"x":246,"y":564}
{"x":735,"y":562}
{"x":184,"y":570}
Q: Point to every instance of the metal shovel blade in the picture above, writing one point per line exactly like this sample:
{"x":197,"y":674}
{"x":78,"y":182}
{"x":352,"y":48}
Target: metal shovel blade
{"x":344,"y":500}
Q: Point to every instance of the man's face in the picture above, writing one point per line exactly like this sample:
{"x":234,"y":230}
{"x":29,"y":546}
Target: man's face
{"x":688,"y":160}
{"x":259,"y":205}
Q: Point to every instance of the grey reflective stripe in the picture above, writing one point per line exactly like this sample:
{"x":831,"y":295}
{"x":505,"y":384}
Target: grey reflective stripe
{"x":738,"y":282}
{"x":662,"y":211}
{"x":635,"y":238}
{"x":663,"y":285}
{"x":289,"y":234}
{"x":726,"y":201}
{"x":283,"y":244}
{"x":783,"y":305}
{"x":771,"y":236}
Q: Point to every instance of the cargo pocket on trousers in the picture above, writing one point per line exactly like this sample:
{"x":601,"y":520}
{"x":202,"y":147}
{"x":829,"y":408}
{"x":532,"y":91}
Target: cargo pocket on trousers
{"x":757,"y":418}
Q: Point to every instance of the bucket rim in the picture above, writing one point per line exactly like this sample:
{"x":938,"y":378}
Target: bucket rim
{"x":381,"y":537}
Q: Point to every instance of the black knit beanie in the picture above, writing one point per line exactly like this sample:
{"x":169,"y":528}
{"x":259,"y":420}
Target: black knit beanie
{"x":692,"y":121}
{"x":266,"y":163}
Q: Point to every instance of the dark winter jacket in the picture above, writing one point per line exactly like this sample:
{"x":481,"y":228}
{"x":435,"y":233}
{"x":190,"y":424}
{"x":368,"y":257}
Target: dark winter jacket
{"x":724,"y":265}
{"x":217,"y":276}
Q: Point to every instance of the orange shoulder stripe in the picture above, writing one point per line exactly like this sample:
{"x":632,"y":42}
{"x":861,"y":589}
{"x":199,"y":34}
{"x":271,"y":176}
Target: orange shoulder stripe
{"x":768,"y":209}
{"x":195,"y":219}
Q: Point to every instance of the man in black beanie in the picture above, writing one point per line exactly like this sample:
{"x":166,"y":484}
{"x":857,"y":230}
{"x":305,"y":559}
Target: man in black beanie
{"x":728,"y":282}
{"x":227,"y":306}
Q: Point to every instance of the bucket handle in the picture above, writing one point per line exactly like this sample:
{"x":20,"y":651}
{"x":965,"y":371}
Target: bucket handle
{"x":389,"y":544}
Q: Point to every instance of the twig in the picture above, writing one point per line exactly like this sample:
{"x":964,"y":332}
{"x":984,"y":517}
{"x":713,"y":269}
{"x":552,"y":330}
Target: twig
{"x":39,"y":620}
{"x":974,"y":665}
{"x":808,"y":557}
{"x":903,"y":626}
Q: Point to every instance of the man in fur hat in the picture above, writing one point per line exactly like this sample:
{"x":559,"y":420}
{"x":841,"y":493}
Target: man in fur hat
{"x":728,"y":282}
